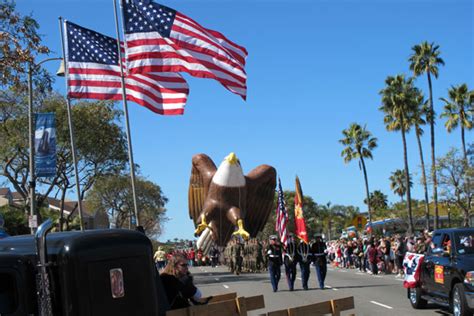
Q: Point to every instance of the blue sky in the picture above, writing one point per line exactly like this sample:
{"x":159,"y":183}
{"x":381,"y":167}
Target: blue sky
{"x":314,"y":67}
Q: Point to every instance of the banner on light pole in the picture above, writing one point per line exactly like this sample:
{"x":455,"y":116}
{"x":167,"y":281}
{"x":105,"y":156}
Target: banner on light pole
{"x":45,"y":145}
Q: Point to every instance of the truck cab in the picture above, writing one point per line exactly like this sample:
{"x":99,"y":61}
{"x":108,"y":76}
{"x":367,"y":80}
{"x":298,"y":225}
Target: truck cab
{"x":447,"y":272}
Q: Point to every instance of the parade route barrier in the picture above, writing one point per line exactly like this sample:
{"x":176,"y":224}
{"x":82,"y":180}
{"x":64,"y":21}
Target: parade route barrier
{"x":332,"y":307}
{"x":222,"y":305}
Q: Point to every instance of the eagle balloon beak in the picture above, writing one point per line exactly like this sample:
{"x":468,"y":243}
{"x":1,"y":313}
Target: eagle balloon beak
{"x":232,"y":158}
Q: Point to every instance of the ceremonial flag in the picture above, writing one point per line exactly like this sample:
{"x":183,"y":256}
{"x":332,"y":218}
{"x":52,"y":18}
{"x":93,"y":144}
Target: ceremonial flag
{"x":94,"y":73}
{"x":282,"y":217}
{"x":45,"y":144}
{"x":412,"y":268}
{"x":162,"y":39}
{"x":300,"y":224}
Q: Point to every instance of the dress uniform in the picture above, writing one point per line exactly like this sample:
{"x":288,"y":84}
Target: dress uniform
{"x":304,"y":255}
{"x":290,"y":260}
{"x":274,"y":262}
{"x":318,"y":251}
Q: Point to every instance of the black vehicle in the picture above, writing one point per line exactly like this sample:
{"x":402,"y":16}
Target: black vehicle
{"x":447,"y":272}
{"x":96,"y":272}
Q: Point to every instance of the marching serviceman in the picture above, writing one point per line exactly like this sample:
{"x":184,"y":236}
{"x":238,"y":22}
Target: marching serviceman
{"x":318,"y":251}
{"x":290,"y":259}
{"x":274,"y":261}
{"x":304,"y":255}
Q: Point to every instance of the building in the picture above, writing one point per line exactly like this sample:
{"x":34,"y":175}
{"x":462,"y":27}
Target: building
{"x":91,"y":219}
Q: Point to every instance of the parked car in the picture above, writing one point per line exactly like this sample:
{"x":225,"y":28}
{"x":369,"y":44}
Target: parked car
{"x":447,"y":272}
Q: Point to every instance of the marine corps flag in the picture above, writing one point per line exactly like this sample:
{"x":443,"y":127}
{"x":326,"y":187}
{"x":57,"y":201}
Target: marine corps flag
{"x":300,"y":225}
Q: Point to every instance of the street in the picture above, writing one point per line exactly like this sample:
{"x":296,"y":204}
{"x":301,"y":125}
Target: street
{"x":373,"y":295}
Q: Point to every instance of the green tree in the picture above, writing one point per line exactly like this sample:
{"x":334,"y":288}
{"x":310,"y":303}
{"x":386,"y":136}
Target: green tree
{"x":100,"y":145}
{"x":426,"y":59}
{"x":359,"y":143}
{"x":459,"y":112}
{"x":397,"y":104}
{"x":20,"y":43}
{"x":398,"y":183}
{"x":378,"y":202}
{"x":420,"y":110}
{"x":113,"y":194}
{"x":456,"y":178}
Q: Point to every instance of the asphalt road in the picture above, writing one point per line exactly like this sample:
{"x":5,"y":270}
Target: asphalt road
{"x":373,"y":295}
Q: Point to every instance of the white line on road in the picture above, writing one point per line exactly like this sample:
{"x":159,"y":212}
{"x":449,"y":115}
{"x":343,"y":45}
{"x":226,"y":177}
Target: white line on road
{"x":380,"y":304}
{"x":226,"y":286}
{"x":217,"y":279}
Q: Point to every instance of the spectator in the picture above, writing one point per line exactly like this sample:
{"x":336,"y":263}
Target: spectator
{"x":178,"y":283}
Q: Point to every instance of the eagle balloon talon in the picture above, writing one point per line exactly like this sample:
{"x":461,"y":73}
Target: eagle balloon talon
{"x":241,"y":231}
{"x":201,"y":227}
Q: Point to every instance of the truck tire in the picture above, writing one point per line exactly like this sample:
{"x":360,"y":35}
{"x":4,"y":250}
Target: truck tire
{"x":458,"y":301}
{"x":414,"y":295}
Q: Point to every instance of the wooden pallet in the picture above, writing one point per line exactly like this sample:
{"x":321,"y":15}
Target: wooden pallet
{"x":222,"y":305}
{"x":332,"y":307}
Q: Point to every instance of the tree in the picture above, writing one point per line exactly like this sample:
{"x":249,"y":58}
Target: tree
{"x":459,"y":112}
{"x":20,"y":43}
{"x":113,"y":194}
{"x":378,"y":202}
{"x":425,"y":59}
{"x":420,"y":110}
{"x":398,"y":183}
{"x":100,"y":145}
{"x":359,"y":145}
{"x":397,"y":104}
{"x":456,"y":178}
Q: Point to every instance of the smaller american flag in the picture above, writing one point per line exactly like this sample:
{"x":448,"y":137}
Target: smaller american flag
{"x":282,"y":217}
{"x":94,"y":73}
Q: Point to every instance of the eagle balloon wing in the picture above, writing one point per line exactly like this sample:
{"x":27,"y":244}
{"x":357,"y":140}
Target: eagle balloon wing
{"x":202,"y":171}
{"x":261,"y":183}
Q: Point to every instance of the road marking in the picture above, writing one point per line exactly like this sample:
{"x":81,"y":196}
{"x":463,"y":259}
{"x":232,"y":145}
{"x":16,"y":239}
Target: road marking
{"x":299,"y":278}
{"x":217,"y":279}
{"x":380,"y":304}
{"x":226,"y":286}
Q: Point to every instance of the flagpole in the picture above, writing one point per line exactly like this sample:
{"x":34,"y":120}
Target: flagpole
{"x":125,"y":109}
{"x":71,"y":129}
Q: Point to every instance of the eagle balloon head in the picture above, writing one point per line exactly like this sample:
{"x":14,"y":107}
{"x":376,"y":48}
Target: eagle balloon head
{"x":229,"y":173}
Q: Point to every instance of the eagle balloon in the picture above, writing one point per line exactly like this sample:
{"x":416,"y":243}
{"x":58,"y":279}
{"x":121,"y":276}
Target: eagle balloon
{"x":223,"y":202}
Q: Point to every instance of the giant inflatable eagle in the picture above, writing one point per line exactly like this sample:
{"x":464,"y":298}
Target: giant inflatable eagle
{"x":223,"y":202}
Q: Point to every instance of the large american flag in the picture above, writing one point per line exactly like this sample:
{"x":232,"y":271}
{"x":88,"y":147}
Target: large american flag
{"x":162,"y":39}
{"x":94,"y":73}
{"x":282,"y":217}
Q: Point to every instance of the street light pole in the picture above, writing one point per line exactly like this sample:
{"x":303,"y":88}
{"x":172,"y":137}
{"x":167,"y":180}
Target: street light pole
{"x":32,"y":182}
{"x":33,"y":222}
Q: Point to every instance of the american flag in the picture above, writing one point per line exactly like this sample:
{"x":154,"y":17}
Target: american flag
{"x":162,"y":39}
{"x":282,"y":217}
{"x":94,"y":73}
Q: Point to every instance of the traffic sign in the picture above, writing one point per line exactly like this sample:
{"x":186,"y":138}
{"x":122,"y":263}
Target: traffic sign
{"x":359,"y":222}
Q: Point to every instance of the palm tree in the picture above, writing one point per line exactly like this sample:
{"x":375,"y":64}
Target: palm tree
{"x":398,"y":183}
{"x":378,"y":202}
{"x":397,"y":104}
{"x":425,"y":59}
{"x":458,"y":111}
{"x":359,"y":145}
{"x":420,"y":110}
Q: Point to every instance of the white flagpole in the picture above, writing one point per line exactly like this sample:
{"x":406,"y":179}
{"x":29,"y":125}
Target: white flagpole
{"x":71,"y":128}
{"x":125,"y":109}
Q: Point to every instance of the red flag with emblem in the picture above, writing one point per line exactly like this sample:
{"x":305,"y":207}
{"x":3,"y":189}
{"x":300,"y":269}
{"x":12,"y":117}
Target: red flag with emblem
{"x":300,"y":224}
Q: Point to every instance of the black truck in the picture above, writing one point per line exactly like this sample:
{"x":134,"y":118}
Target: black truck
{"x":97,"y":272}
{"x":447,"y":272}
